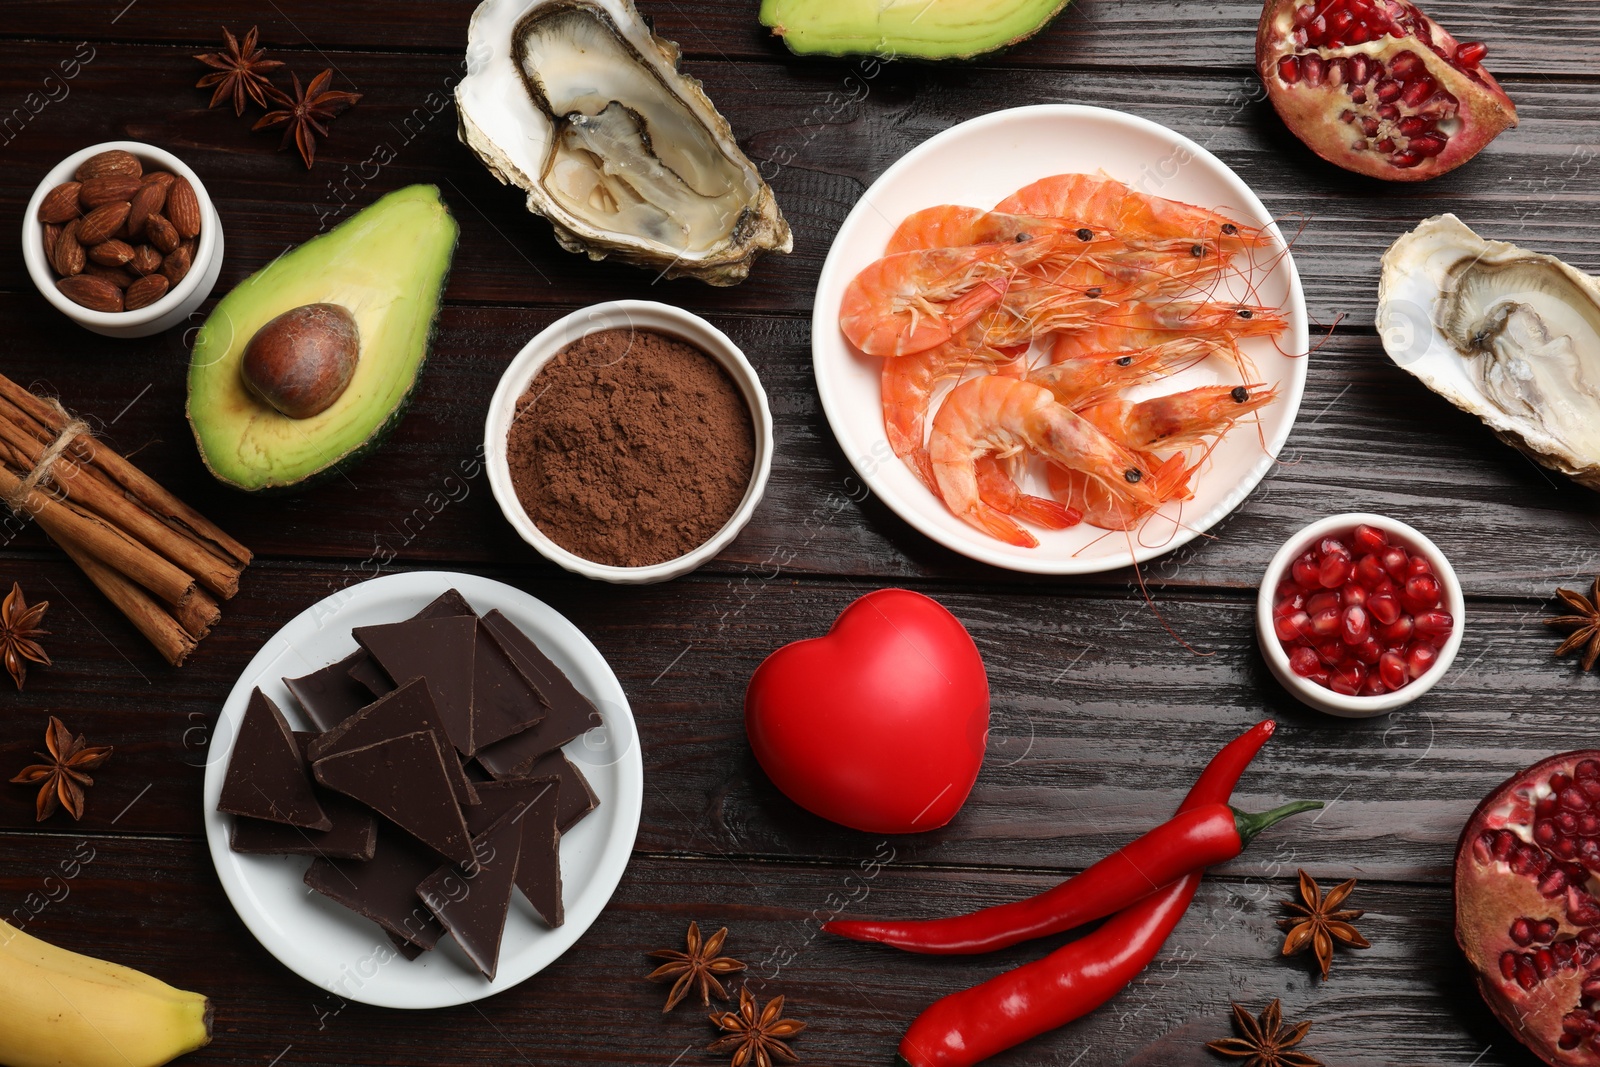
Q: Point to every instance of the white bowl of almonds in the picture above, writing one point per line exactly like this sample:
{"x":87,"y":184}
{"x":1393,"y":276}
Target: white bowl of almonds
{"x":123,"y":239}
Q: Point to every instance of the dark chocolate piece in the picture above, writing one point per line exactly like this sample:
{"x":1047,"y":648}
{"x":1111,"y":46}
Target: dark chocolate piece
{"x":504,"y":702}
{"x":404,"y":780}
{"x":267,"y":777}
{"x":440,"y":650}
{"x":406,"y":710}
{"x":353,"y":836}
{"x":330,"y":696}
{"x":473,"y":904}
{"x":369,"y":677}
{"x":384,"y":889}
{"x":535,"y":803}
{"x":571,"y":714}
{"x":446,"y":605}
{"x":576,"y":798}
{"x":406,"y":948}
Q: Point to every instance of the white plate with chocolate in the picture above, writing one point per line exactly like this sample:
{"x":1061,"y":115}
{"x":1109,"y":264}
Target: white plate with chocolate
{"x":423,"y":790}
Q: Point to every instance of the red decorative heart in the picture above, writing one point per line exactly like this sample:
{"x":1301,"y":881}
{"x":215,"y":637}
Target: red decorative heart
{"x":882,"y":723}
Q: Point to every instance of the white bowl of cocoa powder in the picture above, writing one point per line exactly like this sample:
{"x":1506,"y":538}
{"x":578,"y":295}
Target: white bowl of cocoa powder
{"x":629,"y":442}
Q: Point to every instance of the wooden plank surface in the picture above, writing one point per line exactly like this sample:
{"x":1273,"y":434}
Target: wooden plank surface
{"x":1101,"y":718}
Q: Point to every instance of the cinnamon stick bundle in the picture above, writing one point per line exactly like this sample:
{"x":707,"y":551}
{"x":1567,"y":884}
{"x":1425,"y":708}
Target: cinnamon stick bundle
{"x":163,"y":564}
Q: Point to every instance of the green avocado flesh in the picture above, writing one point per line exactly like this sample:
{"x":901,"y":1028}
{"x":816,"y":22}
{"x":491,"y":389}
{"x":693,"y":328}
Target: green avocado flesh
{"x":914,"y":29}
{"x":387,"y":265}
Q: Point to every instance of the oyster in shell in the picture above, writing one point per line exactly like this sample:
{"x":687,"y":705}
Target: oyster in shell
{"x":579,"y":104}
{"x":1509,"y":335}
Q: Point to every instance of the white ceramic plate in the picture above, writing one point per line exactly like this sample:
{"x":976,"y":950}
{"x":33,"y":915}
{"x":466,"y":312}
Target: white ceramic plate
{"x":979,"y":163}
{"x":334,"y":948}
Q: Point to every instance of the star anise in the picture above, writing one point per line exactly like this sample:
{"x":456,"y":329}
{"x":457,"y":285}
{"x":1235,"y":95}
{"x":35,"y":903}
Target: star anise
{"x":697,"y":969}
{"x":305,"y":113}
{"x":1264,"y":1042}
{"x":1583,"y":627}
{"x":19,"y":625}
{"x":63,"y":777}
{"x":1319,"y":923}
{"x":240,"y":71}
{"x":756,"y":1039}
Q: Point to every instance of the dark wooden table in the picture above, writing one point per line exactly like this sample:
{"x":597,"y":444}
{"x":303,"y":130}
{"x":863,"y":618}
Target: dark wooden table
{"x":1101,"y":719}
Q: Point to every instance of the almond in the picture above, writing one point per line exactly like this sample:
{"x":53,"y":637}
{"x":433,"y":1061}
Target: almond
{"x":111,"y":253}
{"x":113,"y":187}
{"x":144,"y":292}
{"x":52,"y":234}
{"x":162,"y":233}
{"x":99,"y":224}
{"x":96,"y":294}
{"x":69,"y":258}
{"x":178,"y":263}
{"x":151,"y":198}
{"x":146,"y":260}
{"x":115,"y":275}
{"x":60,"y":204}
{"x":164,"y":177}
{"x":116,"y":162}
{"x":183,"y":208}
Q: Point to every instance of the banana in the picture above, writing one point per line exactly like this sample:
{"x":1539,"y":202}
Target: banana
{"x":62,"y":1009}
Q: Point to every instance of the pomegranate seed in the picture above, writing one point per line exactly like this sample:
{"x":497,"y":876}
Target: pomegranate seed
{"x":1419,"y":658}
{"x":1340,"y":21}
{"x":1394,"y":560}
{"x":1360,"y":71}
{"x":1306,"y":570}
{"x":1559,"y":781}
{"x":1406,"y":65}
{"x":1526,"y":977}
{"x":1591,"y":987}
{"x":1396,"y":633}
{"x":1522,"y":932}
{"x":1311,"y":67}
{"x":1590,"y":787}
{"x":1544,"y":963}
{"x":1287,"y":587}
{"x":1546,"y":807}
{"x":1573,"y":799}
{"x":1347,"y":116}
{"x":1388,"y":90}
{"x":1368,"y":651}
{"x":1421,"y":593}
{"x":1589,"y":823}
{"x":1412,"y":125}
{"x":1368,"y":539}
{"x":1289,"y":605}
{"x":1504,"y":841}
{"x":1508,"y":964}
{"x":1338,"y":70}
{"x":1385,"y":609}
{"x":1330,"y":546}
{"x":1554,"y":883}
{"x":1304,"y":14}
{"x":1373,"y":686}
{"x":1355,"y":626}
{"x":1544,"y":832}
{"x":1566,"y":848}
{"x":1418,"y":565}
{"x":1566,"y":822}
{"x":1347,"y":679}
{"x":1335,"y":570}
{"x":1431,"y":623}
{"x":1332,"y":653}
{"x":1290,"y":627}
{"x":1528,"y":861}
{"x":1471,"y":53}
{"x":1303,"y":661}
{"x":1418,"y":91}
{"x":1359,"y":34}
{"x":1325,"y":623}
{"x":1406,"y":159}
{"x":1387,"y":144}
{"x":1392,"y":668}
{"x":1587,"y":770}
{"x":1428,"y":145}
{"x":1322,"y":601}
{"x":1369,"y":572}
{"x":1352,"y":595}
{"x":1289,"y":69}
{"x":1369,"y":126}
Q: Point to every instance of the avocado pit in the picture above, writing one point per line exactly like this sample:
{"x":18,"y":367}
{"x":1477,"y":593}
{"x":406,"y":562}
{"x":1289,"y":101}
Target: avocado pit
{"x":303,"y":360}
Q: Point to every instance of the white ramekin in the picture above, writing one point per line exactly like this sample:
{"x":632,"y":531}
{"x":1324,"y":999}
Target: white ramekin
{"x":180,"y":301}
{"x":615,"y":314}
{"x":1309,"y":692}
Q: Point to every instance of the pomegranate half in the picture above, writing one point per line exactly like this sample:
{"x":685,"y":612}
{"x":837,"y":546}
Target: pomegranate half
{"x":1377,"y":87}
{"x":1526,"y":914}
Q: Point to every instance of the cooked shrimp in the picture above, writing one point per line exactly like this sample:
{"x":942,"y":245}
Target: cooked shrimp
{"x":1105,"y":203}
{"x":952,"y":225}
{"x":1178,"y":420}
{"x":1219,"y":324}
{"x":998,"y":489}
{"x":912,"y":301}
{"x":1102,"y":507}
{"x":1091,"y":377}
{"x":907,"y":386}
{"x":997,"y":416}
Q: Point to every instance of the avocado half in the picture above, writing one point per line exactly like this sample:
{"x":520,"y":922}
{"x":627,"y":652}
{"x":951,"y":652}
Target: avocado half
{"x":387,"y":265}
{"x":911,"y":29}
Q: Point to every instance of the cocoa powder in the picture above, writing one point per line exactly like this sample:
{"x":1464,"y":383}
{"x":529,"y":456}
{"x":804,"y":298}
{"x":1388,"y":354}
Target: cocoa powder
{"x":631,"y":448}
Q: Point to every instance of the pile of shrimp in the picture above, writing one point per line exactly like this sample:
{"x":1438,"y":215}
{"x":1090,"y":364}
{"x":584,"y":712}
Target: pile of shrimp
{"x":1044,"y":311}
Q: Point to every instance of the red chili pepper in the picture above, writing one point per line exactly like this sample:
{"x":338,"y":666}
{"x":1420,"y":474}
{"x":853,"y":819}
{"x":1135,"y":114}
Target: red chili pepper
{"x":1190,"y":841}
{"x":967,"y":1027}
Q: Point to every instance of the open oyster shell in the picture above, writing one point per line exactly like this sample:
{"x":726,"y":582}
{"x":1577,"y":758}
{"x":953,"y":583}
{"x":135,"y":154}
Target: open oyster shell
{"x":1509,"y":335}
{"x":579,"y":104}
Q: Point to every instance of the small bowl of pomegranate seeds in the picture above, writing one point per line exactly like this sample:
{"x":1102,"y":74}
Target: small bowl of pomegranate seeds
{"x":1359,"y":614}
